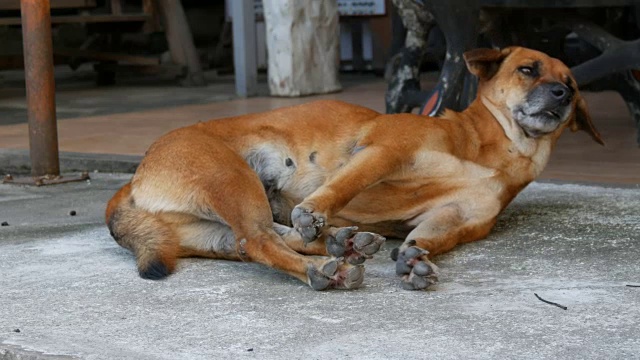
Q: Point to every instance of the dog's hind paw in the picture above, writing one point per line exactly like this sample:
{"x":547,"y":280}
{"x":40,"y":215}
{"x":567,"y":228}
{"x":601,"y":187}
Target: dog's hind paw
{"x":308,"y":224}
{"x":417,"y":271}
{"x":354,"y":246}
{"x":335,"y":274}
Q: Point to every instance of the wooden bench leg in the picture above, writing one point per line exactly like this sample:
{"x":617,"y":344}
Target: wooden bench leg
{"x":183,"y":51}
{"x":615,"y":69}
{"x":458,"y":21}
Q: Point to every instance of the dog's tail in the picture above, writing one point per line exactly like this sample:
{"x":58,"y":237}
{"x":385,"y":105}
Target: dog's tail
{"x":152,"y":241}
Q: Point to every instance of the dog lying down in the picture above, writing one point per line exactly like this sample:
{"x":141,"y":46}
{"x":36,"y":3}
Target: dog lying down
{"x":312,"y":189}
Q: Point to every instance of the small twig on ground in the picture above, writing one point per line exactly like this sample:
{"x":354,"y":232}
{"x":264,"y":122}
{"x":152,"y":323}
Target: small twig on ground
{"x":633,"y":285}
{"x":550,"y":302}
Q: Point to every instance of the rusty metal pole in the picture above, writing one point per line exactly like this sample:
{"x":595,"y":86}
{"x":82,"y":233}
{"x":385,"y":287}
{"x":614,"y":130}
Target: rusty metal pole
{"x":38,"y":69}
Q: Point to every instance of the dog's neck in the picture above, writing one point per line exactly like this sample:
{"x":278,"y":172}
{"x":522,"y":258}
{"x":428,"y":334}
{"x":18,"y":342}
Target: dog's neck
{"x":538,"y":150}
{"x":524,"y":145}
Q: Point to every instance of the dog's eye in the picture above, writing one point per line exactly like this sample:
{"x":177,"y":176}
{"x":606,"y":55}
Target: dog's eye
{"x":527,"y":70}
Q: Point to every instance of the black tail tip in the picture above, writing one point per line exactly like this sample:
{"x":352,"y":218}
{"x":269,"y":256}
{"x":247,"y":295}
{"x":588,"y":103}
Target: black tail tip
{"x":156,"y":270}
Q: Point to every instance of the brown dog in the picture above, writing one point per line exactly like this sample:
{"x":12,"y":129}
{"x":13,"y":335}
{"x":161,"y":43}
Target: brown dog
{"x":232,"y":188}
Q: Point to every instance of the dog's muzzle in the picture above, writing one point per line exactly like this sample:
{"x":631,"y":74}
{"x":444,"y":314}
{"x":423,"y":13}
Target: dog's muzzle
{"x":546,"y":107}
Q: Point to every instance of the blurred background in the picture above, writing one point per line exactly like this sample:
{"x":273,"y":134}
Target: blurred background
{"x":123,"y":72}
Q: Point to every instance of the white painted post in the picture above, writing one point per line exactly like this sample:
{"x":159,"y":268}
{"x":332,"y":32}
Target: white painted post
{"x":303,"y":43}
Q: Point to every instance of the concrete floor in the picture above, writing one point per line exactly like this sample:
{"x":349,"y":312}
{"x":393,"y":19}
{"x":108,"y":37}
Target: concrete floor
{"x":71,"y":292}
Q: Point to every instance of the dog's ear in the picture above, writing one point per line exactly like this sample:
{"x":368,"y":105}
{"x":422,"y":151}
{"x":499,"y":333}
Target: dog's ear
{"x":484,"y":63}
{"x":582,"y":121}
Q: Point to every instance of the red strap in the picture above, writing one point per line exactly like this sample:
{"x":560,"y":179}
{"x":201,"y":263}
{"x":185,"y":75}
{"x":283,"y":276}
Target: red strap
{"x":431,"y":104}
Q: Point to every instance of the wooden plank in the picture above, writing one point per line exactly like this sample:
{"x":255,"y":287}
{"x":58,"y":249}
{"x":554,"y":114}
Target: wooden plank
{"x":155,"y":22}
{"x":16,"y":61}
{"x":99,"y":18}
{"x":556,"y":4}
{"x":67,"y":19}
{"x":55,"y":4}
{"x":105,"y":56}
{"x":126,"y":69}
{"x":116,"y":7}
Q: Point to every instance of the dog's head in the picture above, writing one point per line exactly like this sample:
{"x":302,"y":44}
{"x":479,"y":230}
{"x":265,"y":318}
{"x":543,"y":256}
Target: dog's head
{"x":535,"y":91}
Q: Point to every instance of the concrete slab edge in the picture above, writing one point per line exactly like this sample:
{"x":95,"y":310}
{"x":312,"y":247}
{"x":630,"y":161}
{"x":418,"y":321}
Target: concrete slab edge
{"x":17,"y":161}
{"x":12,"y":352}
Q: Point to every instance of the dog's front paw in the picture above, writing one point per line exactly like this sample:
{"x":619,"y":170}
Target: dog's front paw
{"x":308,"y":224}
{"x":354,"y":246}
{"x":414,"y":267}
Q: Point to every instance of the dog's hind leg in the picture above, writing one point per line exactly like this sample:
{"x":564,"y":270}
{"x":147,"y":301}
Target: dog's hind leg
{"x":345,"y":242}
{"x":158,"y":239}
{"x":225,"y":189}
{"x":257,"y":241}
{"x":208,"y":239}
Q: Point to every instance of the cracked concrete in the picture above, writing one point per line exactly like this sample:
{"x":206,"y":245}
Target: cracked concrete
{"x":73,"y":293}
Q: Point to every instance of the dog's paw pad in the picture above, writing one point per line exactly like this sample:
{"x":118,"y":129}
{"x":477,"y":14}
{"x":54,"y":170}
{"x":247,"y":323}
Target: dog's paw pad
{"x":416,"y":270}
{"x":308,"y":224}
{"x":354,"y":246}
{"x":367,"y":243}
{"x":335,"y":274}
{"x":351,"y":278}
{"x":336,"y":244}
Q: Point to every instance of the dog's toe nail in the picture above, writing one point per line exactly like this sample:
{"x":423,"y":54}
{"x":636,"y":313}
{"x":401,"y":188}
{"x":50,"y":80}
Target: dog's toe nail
{"x":356,"y":259}
{"x":394,"y":254}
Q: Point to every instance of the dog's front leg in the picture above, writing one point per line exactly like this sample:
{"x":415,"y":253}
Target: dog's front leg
{"x":441,"y":230}
{"x":345,"y":242}
{"x":366,"y":167}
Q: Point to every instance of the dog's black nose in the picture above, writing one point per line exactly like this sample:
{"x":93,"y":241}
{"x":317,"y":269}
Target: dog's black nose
{"x":560,"y":91}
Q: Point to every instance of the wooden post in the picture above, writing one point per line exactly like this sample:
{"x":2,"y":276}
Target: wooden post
{"x":116,"y":7}
{"x":303,"y":42}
